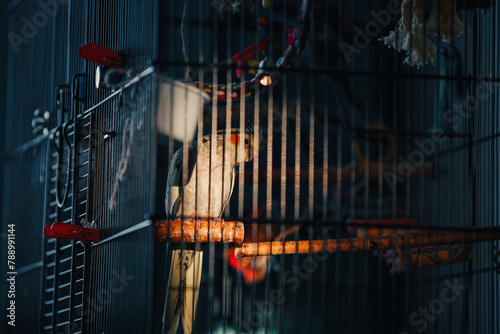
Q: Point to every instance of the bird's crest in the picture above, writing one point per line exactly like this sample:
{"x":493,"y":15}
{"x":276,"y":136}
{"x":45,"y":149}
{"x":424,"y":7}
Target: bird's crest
{"x":235,"y":139}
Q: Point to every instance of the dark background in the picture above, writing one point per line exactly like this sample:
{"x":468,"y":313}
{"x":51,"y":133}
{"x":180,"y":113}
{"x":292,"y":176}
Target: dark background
{"x":348,"y":293}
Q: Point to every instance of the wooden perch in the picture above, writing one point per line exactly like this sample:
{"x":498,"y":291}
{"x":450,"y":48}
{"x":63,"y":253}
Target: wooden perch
{"x":191,"y":231}
{"x":383,"y":242}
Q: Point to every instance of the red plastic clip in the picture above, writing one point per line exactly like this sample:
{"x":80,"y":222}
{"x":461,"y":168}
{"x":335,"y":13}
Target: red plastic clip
{"x":251,"y":52}
{"x":100,"y":55}
{"x":69,"y":231}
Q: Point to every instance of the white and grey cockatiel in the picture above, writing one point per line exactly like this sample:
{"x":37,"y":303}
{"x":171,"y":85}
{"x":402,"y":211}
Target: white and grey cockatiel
{"x":202,"y":194}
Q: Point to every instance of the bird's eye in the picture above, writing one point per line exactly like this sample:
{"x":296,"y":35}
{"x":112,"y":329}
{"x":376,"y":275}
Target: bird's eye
{"x":247,"y":142}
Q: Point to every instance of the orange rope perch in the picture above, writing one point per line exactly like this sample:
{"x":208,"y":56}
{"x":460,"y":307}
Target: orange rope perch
{"x":383,"y":242}
{"x":190,"y":231}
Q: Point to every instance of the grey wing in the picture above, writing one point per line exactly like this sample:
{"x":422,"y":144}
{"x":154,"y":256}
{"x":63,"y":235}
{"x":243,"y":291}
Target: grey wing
{"x":174,"y":179}
{"x":233,"y":179}
{"x":226,"y":200}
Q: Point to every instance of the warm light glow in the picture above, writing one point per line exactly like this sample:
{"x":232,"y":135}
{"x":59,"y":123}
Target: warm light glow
{"x":97,"y":77}
{"x":266,"y":80}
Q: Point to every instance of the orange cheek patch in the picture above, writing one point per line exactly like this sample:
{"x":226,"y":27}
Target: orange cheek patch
{"x":235,"y":140}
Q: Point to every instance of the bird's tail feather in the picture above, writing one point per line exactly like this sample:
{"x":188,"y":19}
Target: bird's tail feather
{"x":182,"y":290}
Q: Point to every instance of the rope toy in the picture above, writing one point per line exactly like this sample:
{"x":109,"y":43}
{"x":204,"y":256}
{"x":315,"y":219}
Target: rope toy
{"x":297,"y":37}
{"x":412,"y":32}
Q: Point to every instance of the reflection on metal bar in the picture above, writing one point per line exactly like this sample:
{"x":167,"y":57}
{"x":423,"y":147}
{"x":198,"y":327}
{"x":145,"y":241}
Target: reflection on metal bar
{"x":117,"y":92}
{"x":125,"y":232}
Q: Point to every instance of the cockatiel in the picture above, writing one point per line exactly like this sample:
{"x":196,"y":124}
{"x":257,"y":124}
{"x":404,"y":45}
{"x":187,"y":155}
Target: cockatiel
{"x":211,"y":171}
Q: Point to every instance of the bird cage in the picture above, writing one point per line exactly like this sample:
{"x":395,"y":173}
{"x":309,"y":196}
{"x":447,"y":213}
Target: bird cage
{"x":251,"y":166}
